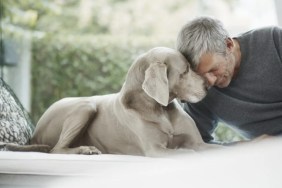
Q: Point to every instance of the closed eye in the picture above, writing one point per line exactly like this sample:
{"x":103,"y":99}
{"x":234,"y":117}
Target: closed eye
{"x":215,"y":69}
{"x":185,"y":72}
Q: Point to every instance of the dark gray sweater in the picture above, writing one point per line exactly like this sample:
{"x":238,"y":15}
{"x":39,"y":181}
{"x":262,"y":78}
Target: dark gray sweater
{"x":252,"y":103}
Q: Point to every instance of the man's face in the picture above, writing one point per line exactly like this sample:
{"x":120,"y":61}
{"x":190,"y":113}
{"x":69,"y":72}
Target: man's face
{"x":217,"y":69}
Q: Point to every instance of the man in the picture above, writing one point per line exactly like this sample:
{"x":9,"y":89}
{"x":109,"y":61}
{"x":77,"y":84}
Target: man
{"x":244,"y":75}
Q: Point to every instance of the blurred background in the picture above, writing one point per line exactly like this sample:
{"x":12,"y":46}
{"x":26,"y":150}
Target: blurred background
{"x":52,"y":49}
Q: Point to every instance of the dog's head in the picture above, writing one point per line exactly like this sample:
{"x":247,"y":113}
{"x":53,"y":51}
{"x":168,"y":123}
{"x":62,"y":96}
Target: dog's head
{"x":169,"y":76}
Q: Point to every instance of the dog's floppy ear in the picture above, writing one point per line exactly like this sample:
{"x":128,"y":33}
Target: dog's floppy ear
{"x":156,"y":83}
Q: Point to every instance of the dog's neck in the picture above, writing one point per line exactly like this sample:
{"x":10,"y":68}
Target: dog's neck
{"x":138,"y":102}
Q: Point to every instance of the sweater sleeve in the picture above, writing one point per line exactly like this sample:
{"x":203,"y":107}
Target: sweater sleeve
{"x":277,"y":37}
{"x":203,"y":118}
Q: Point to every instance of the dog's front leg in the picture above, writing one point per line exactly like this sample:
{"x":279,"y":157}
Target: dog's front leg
{"x":73,"y":127}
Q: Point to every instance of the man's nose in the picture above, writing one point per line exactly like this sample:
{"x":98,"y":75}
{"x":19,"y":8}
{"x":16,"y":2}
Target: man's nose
{"x":210,"y":79}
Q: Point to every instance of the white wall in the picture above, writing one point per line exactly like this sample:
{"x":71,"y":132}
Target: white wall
{"x":278,"y":6}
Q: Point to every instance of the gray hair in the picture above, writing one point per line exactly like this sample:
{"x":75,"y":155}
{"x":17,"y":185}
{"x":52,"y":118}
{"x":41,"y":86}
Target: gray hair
{"x":199,"y":36}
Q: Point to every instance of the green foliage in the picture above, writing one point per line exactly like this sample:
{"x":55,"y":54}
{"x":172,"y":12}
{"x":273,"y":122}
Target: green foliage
{"x":25,"y":14}
{"x":115,"y":17}
{"x":69,"y":66}
{"x":225,"y":133}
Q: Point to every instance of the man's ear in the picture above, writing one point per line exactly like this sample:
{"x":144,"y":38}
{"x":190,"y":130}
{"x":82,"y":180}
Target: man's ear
{"x":156,"y":83}
{"x":229,"y":43}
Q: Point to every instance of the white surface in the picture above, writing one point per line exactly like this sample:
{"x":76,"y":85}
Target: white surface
{"x":251,"y":165}
{"x":63,"y":165}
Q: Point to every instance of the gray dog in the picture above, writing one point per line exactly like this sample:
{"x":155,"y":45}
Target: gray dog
{"x":144,"y":118}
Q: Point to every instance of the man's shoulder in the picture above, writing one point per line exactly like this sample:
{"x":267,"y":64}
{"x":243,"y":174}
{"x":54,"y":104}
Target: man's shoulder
{"x":266,"y":29}
{"x":268,"y":36}
{"x":261,"y":32}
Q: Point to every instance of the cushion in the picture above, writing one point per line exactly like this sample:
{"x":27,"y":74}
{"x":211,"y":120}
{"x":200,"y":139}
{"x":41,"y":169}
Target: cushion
{"x":15,"y":123}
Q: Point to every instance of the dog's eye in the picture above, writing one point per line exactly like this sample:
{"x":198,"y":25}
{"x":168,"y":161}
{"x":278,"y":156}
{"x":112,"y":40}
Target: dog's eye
{"x":186,"y":70}
{"x":184,"y":73}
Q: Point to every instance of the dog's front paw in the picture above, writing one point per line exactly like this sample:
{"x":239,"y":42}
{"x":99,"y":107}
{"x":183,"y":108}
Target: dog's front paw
{"x":89,"y":150}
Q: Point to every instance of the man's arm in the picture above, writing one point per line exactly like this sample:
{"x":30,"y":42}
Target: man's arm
{"x":277,"y":38}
